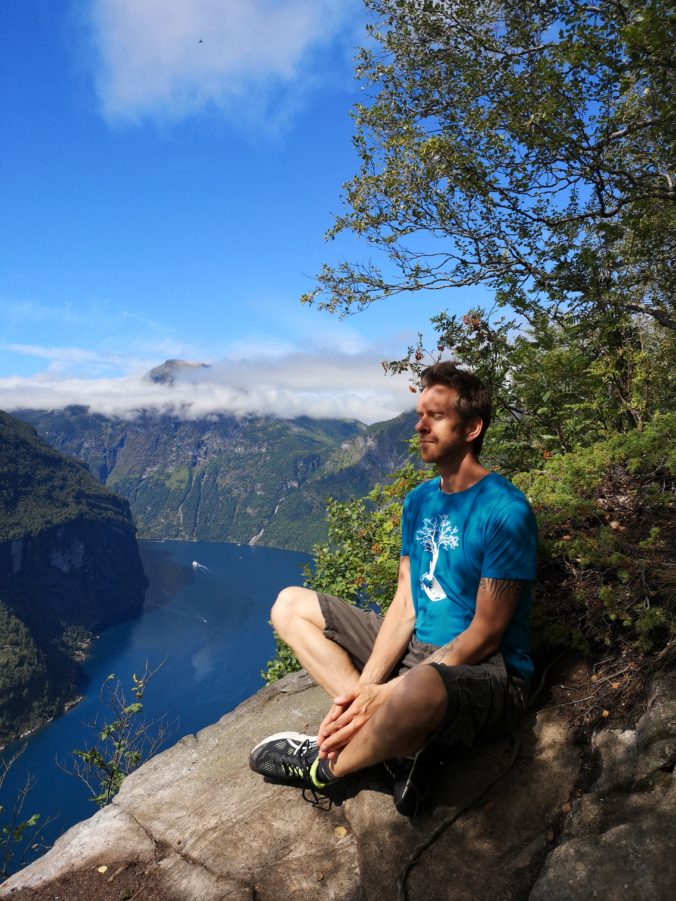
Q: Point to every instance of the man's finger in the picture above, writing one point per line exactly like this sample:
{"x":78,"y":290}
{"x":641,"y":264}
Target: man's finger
{"x":333,"y":713}
{"x":331,"y":747}
{"x":339,"y":739}
{"x":330,"y":716}
{"x":344,"y":720}
{"x":324,"y":733}
{"x":345,"y":700}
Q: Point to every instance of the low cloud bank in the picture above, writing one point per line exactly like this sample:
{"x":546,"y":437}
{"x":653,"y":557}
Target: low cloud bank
{"x":335,"y":387}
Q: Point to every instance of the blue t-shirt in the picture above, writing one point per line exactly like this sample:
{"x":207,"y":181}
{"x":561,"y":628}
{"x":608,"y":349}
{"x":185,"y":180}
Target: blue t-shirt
{"x":454,"y":540}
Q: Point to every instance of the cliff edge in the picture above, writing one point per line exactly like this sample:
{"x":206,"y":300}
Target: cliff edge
{"x":528,"y":820}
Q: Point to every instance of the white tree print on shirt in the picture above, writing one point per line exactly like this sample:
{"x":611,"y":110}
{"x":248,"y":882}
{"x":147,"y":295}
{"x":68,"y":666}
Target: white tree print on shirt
{"x":434,"y":535}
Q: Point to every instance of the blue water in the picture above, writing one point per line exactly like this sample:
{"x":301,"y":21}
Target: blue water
{"x":208,"y":623}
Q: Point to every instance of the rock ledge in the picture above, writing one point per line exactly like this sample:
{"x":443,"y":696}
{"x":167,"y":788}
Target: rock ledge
{"x":195,"y":823}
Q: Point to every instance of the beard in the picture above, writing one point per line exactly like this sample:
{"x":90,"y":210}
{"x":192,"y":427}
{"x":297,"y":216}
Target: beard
{"x":442,"y":452}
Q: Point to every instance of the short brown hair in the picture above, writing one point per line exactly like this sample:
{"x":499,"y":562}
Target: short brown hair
{"x":474,"y":398}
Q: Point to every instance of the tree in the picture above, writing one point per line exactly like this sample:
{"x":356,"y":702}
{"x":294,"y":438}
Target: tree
{"x":18,"y":832}
{"x":122,"y":744}
{"x":526,"y":146}
{"x":555,"y":385}
{"x":435,"y":535}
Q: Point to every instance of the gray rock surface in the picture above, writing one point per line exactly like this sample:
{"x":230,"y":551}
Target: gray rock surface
{"x":618,"y":841}
{"x":195,"y":823}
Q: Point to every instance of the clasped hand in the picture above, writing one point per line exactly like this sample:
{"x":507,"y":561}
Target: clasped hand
{"x":348,"y":714}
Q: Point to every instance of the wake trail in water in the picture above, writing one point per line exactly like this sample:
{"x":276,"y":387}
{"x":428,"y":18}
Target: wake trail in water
{"x":174,"y":610}
{"x":196,"y":565}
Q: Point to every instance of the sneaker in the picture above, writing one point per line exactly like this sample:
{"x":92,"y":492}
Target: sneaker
{"x":412,"y":789}
{"x":286,"y":757}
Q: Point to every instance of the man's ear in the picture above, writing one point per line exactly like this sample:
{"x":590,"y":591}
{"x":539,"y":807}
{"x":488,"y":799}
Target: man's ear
{"x":473,"y":428}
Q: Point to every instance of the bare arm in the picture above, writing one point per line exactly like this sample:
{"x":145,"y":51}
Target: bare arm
{"x":495,"y":605}
{"x":395,"y":632}
{"x":496,"y":602}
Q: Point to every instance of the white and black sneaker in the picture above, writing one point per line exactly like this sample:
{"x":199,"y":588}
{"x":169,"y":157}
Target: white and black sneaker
{"x":287,"y":757}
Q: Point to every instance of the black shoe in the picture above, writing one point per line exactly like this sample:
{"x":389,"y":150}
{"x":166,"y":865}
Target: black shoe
{"x":286,"y":757}
{"x":412,"y":789}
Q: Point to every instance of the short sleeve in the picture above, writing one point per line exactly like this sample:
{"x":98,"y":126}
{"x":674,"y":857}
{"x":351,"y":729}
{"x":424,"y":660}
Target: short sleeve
{"x":511,"y":543}
{"x":406,"y":527}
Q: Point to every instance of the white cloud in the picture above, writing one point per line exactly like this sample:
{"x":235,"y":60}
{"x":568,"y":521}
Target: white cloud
{"x":340,"y":339}
{"x":318,"y":385}
{"x":171,"y":58}
{"x":117,"y":341}
{"x":62,"y":359}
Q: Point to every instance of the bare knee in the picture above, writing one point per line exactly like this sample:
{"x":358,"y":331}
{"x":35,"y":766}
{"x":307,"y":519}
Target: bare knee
{"x":285,"y":606}
{"x":419,"y":699}
{"x":292,"y":604}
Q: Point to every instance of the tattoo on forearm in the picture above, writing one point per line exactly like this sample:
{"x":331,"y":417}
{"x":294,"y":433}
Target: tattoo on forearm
{"x":440,"y":653}
{"x":502,"y":589}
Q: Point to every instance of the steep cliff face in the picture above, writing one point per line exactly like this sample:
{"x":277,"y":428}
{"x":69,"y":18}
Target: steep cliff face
{"x":69,"y":563}
{"x":85,"y":572}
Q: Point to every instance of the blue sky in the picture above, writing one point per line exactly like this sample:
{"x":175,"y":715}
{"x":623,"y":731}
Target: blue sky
{"x":167,"y":171}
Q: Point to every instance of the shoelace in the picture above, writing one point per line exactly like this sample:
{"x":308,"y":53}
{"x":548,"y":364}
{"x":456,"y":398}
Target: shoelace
{"x":301,"y":752}
{"x":311,"y":794}
{"x":317,"y":799}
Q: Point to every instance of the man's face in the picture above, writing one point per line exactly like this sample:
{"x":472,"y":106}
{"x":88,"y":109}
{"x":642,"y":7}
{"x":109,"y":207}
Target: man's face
{"x":443,"y":434}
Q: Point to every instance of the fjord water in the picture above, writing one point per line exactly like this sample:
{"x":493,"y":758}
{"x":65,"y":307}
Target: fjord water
{"x":209,"y":624}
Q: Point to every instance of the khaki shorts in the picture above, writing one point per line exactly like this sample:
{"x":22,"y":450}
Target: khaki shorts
{"x":484,"y":700}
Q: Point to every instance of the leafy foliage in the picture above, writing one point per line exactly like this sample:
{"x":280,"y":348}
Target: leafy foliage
{"x":122,"y":744}
{"x":17,"y":831}
{"x":528,"y":147}
{"x":606,"y":519}
{"x":360,"y":562}
{"x":524,"y":146}
{"x":556,"y":385}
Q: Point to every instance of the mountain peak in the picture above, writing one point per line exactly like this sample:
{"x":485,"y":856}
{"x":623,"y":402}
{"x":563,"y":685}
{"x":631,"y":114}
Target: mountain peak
{"x":166,"y":372}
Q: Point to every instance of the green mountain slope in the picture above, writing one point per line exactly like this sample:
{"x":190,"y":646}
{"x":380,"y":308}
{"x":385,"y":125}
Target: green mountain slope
{"x":252,"y":479}
{"x":350,"y":471}
{"x":68,"y":564}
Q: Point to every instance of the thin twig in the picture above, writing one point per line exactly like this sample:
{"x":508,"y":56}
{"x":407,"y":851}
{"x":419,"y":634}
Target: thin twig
{"x":568,"y":703}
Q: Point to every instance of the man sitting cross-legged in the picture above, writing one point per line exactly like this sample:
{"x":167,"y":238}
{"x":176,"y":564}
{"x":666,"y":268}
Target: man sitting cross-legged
{"x":449,"y":661}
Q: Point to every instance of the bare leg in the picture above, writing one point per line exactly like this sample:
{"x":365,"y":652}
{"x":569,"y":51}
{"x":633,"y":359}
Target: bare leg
{"x":297,"y":617}
{"x":400,"y":727}
{"x":397,"y":729}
